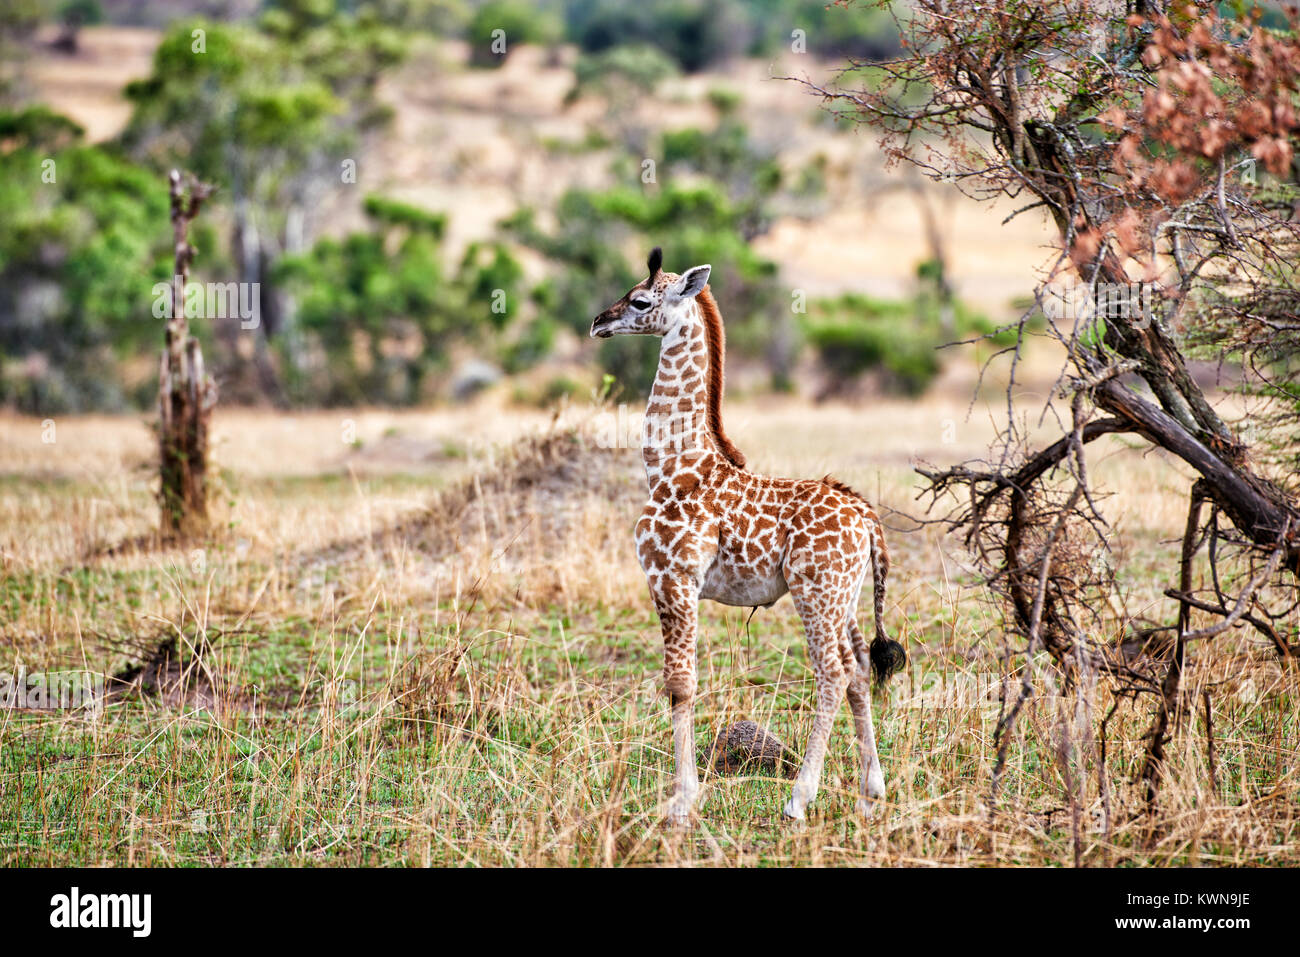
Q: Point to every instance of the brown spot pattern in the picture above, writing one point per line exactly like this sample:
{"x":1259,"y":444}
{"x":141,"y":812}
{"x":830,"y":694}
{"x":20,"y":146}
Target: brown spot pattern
{"x":711,"y":529}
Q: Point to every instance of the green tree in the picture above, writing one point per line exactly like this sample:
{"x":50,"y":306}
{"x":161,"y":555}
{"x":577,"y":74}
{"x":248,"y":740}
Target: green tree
{"x":600,"y":234}
{"x":622,"y":76}
{"x":499,"y":25}
{"x":275,"y":115}
{"x":864,"y":31}
{"x":380,"y":311}
{"x":18,"y":22}
{"x":751,"y":177}
{"x":694,"y":33}
{"x":435,"y":16}
{"x":853,"y":334}
{"x":74,"y":15}
{"x":83,"y":239}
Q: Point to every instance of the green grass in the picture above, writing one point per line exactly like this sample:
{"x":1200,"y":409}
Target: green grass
{"x":374,"y":718}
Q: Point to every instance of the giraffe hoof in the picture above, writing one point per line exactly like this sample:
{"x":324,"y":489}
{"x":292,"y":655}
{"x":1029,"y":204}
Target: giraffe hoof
{"x":866,"y":808}
{"x":678,"y":813}
{"x":792,"y":811}
{"x":875,"y":788}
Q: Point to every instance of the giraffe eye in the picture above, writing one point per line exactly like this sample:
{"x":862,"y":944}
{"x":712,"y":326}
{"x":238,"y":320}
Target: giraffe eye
{"x":641,"y":303}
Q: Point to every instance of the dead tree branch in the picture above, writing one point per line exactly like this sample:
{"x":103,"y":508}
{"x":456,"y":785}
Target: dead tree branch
{"x":186,"y":394}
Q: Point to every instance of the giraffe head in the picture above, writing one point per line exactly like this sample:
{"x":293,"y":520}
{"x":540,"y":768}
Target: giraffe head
{"x":655,"y":305}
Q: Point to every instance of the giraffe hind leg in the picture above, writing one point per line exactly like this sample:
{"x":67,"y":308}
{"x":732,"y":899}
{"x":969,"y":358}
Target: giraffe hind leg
{"x":856,"y":657}
{"x":871,"y":779}
{"x":827,"y":654}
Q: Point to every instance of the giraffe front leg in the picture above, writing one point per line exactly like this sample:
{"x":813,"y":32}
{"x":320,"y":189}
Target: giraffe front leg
{"x":871,"y":778}
{"x":686,"y":779}
{"x":678,"y":606}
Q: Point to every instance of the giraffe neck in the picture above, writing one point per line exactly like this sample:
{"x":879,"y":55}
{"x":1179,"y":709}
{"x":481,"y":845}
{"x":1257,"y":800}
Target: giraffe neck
{"x":677,"y":415}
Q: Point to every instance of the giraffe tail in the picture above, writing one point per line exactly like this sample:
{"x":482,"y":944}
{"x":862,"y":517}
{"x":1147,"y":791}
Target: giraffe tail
{"x":884,"y":656}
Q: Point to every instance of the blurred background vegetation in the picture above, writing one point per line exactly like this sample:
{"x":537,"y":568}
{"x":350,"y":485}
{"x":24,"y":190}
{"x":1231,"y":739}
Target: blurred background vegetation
{"x":304,"y":114}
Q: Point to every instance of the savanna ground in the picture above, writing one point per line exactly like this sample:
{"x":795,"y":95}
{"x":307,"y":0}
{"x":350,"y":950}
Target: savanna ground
{"x":422,"y":638}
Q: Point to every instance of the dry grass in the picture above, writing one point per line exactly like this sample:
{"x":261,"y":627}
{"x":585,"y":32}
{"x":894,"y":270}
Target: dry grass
{"x":433,"y":644}
{"x":436,"y":647}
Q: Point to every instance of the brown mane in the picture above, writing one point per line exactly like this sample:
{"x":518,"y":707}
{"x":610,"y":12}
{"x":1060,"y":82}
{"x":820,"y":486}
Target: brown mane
{"x":844,"y":487}
{"x":716,"y":337}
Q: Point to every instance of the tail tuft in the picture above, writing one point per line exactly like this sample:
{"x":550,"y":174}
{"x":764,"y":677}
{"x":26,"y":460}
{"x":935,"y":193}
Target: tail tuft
{"x":887,"y":657}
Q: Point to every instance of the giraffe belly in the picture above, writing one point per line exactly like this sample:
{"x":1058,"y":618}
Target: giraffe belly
{"x":731,"y":586}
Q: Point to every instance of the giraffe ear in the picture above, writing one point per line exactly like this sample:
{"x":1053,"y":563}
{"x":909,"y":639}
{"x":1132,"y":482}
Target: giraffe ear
{"x":692,"y":281}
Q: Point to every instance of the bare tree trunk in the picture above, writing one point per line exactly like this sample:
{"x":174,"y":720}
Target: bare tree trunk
{"x":938,"y":256}
{"x":186,"y":395}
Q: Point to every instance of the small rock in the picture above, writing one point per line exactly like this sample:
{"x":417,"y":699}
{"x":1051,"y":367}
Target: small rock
{"x":472,"y":377}
{"x":744,"y":746}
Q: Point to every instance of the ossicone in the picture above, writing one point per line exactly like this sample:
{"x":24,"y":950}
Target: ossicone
{"x":655,"y":262}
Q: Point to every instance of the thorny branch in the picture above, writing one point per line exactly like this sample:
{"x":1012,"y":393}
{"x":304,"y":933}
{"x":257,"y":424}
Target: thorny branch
{"x":1134,"y":128}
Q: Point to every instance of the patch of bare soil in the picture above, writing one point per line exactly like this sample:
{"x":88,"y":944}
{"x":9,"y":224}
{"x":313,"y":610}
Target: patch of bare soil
{"x":173,"y":679}
{"x":87,"y":85}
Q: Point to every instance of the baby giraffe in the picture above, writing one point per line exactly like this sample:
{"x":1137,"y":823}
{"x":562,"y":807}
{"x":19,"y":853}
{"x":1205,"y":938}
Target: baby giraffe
{"x":714,"y":530}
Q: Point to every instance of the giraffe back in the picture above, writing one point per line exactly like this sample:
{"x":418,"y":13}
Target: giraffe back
{"x":763,"y":529}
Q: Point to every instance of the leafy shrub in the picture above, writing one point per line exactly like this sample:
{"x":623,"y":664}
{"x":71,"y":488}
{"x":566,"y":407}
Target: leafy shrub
{"x":855,"y":333}
{"x":520,"y":22}
{"x":491,"y":278}
{"x":860,"y":30}
{"x":79,"y":254}
{"x":390,"y":212}
{"x":638,"y":68}
{"x":700,"y":33}
{"x":694,"y":224}
{"x":694,"y":33}
{"x":725,"y":101}
{"x":375,"y":307}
